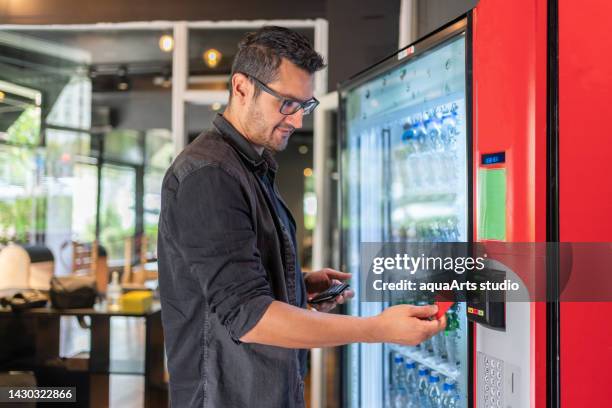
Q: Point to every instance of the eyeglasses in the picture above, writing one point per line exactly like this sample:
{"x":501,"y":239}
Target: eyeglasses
{"x":288,"y":106}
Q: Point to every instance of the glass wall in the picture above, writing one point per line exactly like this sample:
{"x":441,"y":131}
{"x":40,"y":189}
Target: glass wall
{"x":68,"y":173}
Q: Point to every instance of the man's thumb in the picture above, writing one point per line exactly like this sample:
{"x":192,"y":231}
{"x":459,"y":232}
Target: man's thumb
{"x":424,"y":311}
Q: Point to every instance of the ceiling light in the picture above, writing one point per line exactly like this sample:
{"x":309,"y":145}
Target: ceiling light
{"x":123,"y":82}
{"x":308,"y":172}
{"x":166,"y":43}
{"x":167,"y":75}
{"x":212,"y":57}
{"x":216,"y":106}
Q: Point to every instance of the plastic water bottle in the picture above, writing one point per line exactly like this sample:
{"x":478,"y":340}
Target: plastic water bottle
{"x":401,"y":398}
{"x":439,"y":347}
{"x":113,"y":293}
{"x":434,"y":392}
{"x":450,"y":336}
{"x":410,"y":377}
{"x":397,"y":392}
{"x":397,"y":374}
{"x":423,"y":387}
{"x":450,"y":397}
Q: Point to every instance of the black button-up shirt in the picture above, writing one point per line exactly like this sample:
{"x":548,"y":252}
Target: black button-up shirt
{"x":225,"y":254}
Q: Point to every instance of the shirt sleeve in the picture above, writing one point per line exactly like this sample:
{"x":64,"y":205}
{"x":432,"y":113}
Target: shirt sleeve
{"x":217,"y":240}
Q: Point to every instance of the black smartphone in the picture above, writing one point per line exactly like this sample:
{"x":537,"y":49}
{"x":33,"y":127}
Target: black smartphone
{"x":329,"y":294}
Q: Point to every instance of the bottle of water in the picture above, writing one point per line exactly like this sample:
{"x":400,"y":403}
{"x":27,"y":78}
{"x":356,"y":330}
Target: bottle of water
{"x":113,"y":293}
{"x":397,"y":393}
{"x":450,"y":336}
{"x":423,"y":387}
{"x":434,"y":392}
{"x":439,"y":347}
{"x":397,"y":372}
{"x":410,"y":377}
{"x":450,"y":397}
{"x":401,"y":399}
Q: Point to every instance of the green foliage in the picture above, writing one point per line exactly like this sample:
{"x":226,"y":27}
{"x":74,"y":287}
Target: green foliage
{"x":26,"y":129}
{"x":112,"y":234}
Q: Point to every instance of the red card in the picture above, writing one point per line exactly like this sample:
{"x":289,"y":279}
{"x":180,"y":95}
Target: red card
{"x":443,"y":308}
{"x":444,"y":300}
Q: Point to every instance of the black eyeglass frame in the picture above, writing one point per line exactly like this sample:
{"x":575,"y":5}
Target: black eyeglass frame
{"x":307,"y":106}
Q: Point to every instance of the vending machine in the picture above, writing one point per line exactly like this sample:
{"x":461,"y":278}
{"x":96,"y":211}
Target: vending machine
{"x":406,"y":155}
{"x":491,"y":130}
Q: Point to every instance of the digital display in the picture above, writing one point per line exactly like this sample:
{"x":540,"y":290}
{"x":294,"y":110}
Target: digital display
{"x":494,"y":158}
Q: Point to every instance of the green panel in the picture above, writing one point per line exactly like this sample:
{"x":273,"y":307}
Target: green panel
{"x":492,"y":204}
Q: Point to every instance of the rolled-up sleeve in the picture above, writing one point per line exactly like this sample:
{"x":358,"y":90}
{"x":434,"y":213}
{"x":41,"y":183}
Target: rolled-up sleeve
{"x":217,"y":239}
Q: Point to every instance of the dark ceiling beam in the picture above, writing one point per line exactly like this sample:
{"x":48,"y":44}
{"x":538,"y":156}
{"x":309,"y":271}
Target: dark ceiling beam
{"x":92,"y":11}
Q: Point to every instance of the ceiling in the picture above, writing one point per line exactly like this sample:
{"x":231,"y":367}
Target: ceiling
{"x":141,"y":47}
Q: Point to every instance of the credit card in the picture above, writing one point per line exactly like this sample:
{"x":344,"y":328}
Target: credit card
{"x":444,"y":300}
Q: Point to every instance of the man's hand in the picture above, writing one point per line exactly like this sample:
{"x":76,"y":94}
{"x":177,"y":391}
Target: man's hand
{"x":319,"y":281}
{"x":408,"y":325}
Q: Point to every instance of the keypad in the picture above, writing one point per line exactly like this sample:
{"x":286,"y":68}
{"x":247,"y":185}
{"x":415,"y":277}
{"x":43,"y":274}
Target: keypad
{"x":490,"y":381}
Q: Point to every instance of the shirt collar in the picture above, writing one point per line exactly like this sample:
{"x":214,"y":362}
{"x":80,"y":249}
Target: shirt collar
{"x":260,"y":163}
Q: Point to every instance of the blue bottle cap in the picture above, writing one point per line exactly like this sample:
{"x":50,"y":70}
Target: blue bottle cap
{"x":410,"y":363}
{"x":423,"y":370}
{"x":434,"y":377}
{"x":398,"y":359}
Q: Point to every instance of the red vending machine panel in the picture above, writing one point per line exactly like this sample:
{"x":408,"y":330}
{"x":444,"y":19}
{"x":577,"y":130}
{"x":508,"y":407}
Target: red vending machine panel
{"x":509,"y":121}
{"x":585,"y":190}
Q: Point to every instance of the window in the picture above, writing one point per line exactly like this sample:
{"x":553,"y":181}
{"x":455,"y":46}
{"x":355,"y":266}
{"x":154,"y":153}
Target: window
{"x":117,"y":208}
{"x":159,"y":151}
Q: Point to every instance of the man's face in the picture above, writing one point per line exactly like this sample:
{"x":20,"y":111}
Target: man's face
{"x":264,"y":124}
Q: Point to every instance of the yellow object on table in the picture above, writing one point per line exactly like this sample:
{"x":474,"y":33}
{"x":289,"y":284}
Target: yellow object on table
{"x":137,"y":301}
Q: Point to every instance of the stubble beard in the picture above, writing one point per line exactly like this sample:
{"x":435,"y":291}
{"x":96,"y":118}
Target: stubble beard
{"x":259,"y":132}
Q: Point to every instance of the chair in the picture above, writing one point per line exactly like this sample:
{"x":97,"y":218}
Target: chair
{"x":90,"y":259}
{"x":84,"y":258}
{"x":14,"y":268}
{"x":136,"y":274}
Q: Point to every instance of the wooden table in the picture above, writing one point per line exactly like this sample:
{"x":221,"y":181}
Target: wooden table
{"x":47,"y":330}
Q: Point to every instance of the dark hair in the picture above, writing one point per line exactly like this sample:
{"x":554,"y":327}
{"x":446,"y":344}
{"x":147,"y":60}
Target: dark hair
{"x":260,"y":54}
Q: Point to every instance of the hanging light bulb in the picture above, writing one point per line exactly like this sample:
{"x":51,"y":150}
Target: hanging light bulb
{"x":166,"y":43}
{"x":122,"y":80}
{"x":212,"y":57}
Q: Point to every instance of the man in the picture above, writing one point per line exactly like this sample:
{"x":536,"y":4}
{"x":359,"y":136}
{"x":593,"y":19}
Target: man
{"x":233,"y":296}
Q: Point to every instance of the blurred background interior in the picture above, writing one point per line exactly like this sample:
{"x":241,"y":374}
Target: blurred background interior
{"x":91,"y":116}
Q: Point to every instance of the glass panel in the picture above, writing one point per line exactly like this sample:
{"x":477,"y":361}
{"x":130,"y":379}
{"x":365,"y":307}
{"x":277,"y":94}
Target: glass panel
{"x":20,"y":201}
{"x":72,"y":108}
{"x":66,"y":147}
{"x":117,"y":209}
{"x":85,"y":194}
{"x":405,"y":179}
{"x":159,"y":148}
{"x":65,"y":190}
{"x":40,"y":190}
{"x":152,"y":207}
{"x":123,"y":145}
{"x":20,"y":114}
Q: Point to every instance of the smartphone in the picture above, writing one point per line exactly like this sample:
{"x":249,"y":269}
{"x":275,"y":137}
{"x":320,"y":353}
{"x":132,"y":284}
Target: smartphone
{"x":329,"y":294}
